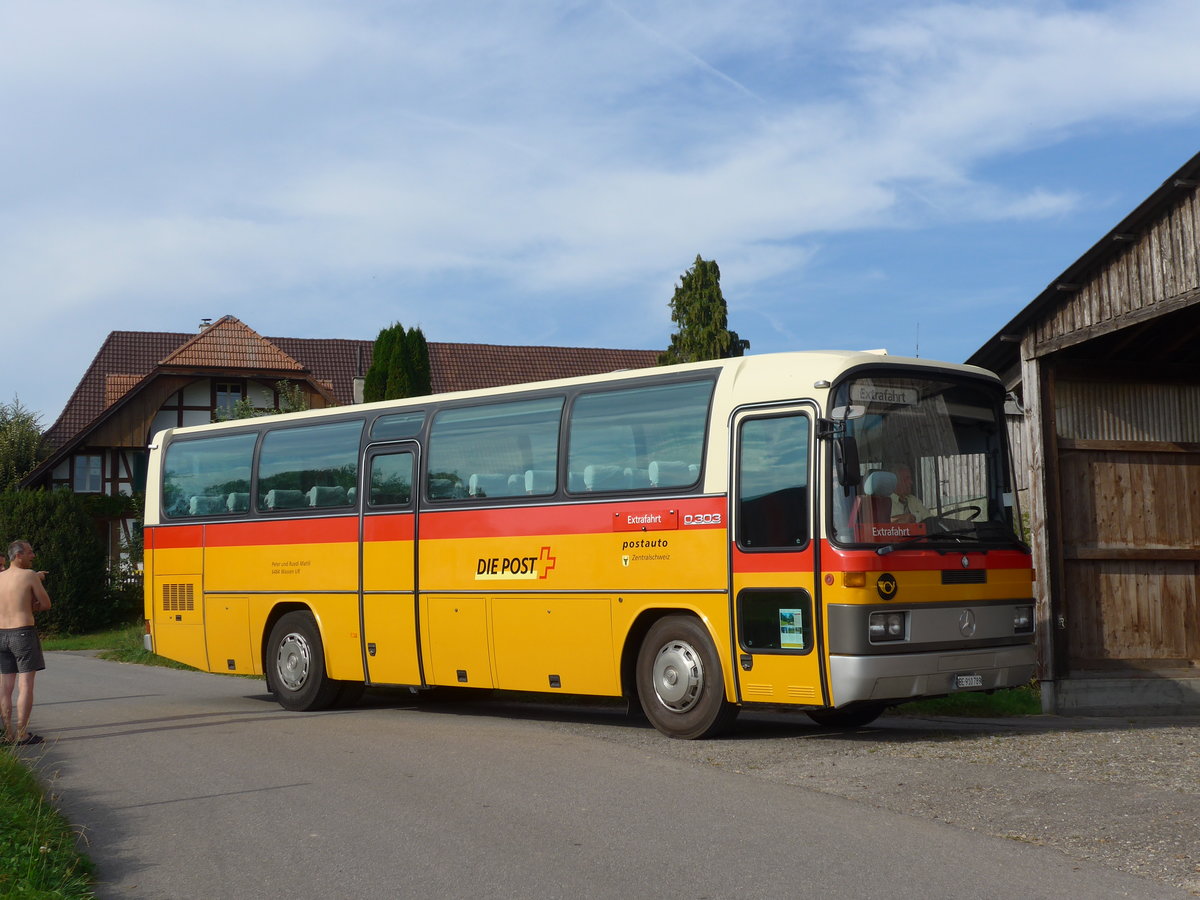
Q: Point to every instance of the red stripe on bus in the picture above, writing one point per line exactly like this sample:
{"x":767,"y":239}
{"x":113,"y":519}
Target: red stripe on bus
{"x":584,"y":518}
{"x":388,"y":528}
{"x":340,"y":530}
{"x":768,"y":562}
{"x":174,"y":538}
{"x":913,"y":560}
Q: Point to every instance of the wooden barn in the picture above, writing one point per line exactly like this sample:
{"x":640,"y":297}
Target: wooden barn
{"x":1105,"y":364}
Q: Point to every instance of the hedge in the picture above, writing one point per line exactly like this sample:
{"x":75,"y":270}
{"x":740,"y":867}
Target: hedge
{"x":69,"y":546}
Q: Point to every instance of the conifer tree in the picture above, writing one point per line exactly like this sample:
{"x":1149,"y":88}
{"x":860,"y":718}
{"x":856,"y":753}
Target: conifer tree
{"x":376,"y":381}
{"x":399,"y":365}
{"x":418,"y":354}
{"x":698,"y":308}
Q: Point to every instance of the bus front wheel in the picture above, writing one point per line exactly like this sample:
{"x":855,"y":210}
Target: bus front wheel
{"x":680,"y":681}
{"x":296,"y":663}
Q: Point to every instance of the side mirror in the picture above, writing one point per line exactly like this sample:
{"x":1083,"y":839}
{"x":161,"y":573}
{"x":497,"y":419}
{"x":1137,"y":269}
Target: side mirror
{"x":845,"y":459}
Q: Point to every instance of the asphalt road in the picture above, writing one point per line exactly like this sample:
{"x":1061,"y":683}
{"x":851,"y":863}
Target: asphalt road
{"x":187,"y":785}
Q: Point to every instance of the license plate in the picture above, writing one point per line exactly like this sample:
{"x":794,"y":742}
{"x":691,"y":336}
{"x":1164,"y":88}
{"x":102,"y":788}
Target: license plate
{"x":968,"y":681}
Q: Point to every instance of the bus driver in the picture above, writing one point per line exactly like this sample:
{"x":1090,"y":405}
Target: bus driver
{"x":907,"y":506}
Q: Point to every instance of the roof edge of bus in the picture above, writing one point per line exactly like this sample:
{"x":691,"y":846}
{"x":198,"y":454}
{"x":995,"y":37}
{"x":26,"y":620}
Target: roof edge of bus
{"x":841,"y":359}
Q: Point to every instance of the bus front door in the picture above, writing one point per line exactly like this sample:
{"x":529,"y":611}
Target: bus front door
{"x":389,"y":611}
{"x":773,"y":553}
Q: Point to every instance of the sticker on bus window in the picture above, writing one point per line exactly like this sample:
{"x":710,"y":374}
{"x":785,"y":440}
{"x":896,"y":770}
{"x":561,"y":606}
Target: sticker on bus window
{"x":893,"y":531}
{"x":865,"y":392}
{"x":791,"y":629}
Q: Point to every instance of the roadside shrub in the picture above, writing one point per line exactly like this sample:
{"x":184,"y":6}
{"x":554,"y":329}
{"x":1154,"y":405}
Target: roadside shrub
{"x":70,"y":549}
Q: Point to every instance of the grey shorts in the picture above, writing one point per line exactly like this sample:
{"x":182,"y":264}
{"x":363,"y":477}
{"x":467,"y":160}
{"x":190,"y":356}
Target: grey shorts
{"x":20,"y":651}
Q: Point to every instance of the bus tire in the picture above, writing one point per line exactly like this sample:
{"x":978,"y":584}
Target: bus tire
{"x":848,"y":717}
{"x":296,"y":663}
{"x":680,"y":681}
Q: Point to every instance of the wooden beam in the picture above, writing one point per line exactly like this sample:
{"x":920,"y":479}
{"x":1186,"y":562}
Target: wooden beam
{"x":1111,"y":326}
{"x":1130,"y":446}
{"x":1152,"y":554}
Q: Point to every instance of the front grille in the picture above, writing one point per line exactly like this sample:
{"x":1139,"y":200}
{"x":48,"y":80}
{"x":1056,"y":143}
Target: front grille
{"x":964,"y":576}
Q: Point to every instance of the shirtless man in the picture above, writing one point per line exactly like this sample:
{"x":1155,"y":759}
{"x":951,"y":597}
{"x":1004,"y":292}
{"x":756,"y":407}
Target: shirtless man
{"x":21,"y":593}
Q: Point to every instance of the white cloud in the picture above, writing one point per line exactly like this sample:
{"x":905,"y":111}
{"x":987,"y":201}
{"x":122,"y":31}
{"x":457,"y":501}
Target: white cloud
{"x":164,"y":156}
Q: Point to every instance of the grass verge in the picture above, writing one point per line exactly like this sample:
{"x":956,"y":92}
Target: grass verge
{"x":120,"y":644}
{"x":1022,"y":701}
{"x":39,"y":856}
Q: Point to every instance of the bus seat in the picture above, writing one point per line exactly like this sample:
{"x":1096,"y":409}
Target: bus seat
{"x":637,"y":478}
{"x":669,"y":473}
{"x":202,"y":505}
{"x":604,"y":478}
{"x":351,"y":494}
{"x":575,"y":482}
{"x":880,"y":483}
{"x":237,"y":502}
{"x":326,"y":495}
{"x":487,"y":485}
{"x":516,"y":485}
{"x":539,"y":481}
{"x":874,"y":505}
{"x":280,"y":498}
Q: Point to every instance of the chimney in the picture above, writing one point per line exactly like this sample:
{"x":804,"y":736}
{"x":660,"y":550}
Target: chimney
{"x":204,"y":324}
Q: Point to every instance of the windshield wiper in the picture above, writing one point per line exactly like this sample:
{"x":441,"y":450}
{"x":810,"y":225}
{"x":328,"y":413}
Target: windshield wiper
{"x":941,"y":535}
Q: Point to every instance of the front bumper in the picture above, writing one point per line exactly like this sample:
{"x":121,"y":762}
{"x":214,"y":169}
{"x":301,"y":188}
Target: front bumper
{"x":906,"y":675}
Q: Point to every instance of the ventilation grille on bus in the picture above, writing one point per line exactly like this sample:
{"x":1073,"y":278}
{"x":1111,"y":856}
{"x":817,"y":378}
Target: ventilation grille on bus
{"x":178,"y":597}
{"x":964,"y":576}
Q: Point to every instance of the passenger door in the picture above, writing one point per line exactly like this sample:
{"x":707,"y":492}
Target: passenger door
{"x":391,"y":653}
{"x":774,"y":550}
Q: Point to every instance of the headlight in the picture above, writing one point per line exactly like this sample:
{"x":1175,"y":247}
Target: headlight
{"x":1023,"y":620}
{"x":888,"y":626}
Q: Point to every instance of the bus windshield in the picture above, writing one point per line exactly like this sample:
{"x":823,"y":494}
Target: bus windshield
{"x":919,"y":460}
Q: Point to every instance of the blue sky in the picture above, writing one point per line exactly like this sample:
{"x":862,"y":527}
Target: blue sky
{"x":867,"y":174}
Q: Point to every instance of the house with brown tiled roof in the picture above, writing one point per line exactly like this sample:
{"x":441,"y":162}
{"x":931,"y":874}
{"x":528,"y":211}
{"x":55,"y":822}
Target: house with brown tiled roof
{"x":143,"y":381}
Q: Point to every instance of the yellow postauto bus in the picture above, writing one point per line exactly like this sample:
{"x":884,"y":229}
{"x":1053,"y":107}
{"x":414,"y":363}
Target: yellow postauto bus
{"x":827,"y":531}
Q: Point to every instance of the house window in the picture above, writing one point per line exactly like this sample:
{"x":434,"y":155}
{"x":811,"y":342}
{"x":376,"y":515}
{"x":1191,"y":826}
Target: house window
{"x":88,"y":476}
{"x":226,"y":395}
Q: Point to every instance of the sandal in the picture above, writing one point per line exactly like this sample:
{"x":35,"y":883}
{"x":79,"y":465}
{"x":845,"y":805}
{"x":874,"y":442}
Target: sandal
{"x":30,"y":738}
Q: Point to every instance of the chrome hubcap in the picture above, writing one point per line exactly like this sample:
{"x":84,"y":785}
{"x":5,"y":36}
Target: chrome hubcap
{"x":678,"y":676}
{"x":292,"y":661}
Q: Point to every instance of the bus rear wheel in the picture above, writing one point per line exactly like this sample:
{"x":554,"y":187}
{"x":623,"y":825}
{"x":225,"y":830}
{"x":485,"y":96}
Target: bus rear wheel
{"x":296,"y":662}
{"x":680,"y":682}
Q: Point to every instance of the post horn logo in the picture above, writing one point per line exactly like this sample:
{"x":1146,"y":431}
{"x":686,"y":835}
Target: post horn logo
{"x":886,"y":585}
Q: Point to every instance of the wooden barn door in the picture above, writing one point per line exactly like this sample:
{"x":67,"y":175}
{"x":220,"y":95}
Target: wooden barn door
{"x":1129,"y":525}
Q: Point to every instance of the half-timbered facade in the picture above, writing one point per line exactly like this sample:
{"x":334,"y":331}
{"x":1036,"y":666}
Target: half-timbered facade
{"x":1106,"y":363}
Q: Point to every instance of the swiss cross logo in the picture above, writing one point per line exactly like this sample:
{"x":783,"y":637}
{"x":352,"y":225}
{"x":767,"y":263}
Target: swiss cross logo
{"x":515,"y":568}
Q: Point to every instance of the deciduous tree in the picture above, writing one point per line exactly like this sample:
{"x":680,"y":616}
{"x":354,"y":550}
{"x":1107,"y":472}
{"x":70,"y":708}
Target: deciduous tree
{"x":21,"y":445}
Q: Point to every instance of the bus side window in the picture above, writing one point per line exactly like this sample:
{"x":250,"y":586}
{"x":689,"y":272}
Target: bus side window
{"x":308,"y":467}
{"x":487,"y":452}
{"x":772,"y":486}
{"x":202,"y":477}
{"x":638,"y":438}
{"x":391,"y":479}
